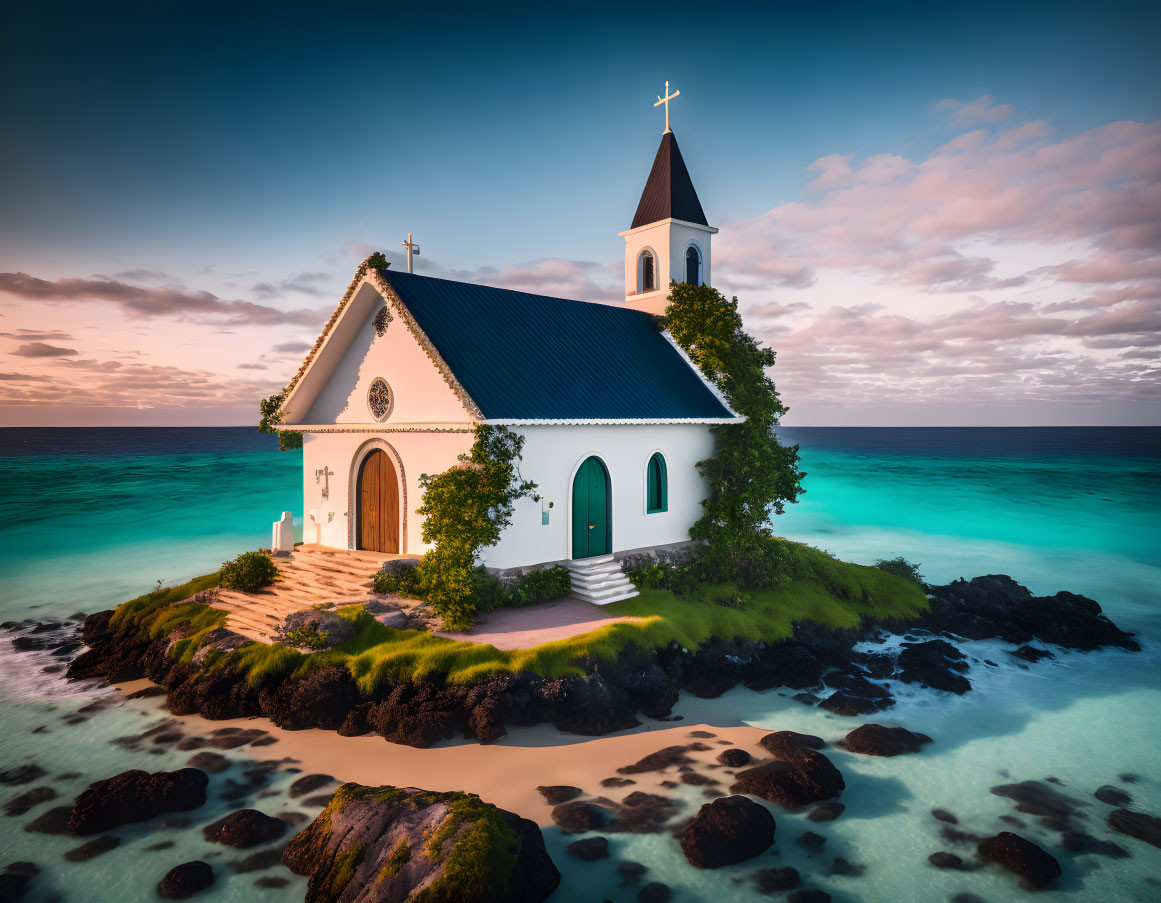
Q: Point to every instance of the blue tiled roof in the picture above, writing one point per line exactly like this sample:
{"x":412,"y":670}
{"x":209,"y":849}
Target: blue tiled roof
{"x":531,"y":357}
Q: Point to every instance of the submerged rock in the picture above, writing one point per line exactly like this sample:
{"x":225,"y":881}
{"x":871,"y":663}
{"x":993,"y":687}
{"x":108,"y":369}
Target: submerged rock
{"x":186,"y":880}
{"x":773,"y":880}
{"x":728,"y":830}
{"x":1035,"y":798}
{"x":134,"y":796}
{"x":381,"y":843}
{"x":20,"y":804}
{"x":880,"y":740}
{"x":15,"y":880}
{"x":92,"y":848}
{"x":589,"y":849}
{"x":1114,"y":796}
{"x":1036,"y":867}
{"x":1137,"y":824}
{"x":21,"y":774}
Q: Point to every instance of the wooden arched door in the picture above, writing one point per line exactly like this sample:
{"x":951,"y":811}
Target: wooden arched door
{"x":378,"y":503}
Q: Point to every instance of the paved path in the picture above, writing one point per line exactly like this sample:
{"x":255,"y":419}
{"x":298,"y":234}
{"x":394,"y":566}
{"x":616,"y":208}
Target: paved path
{"x":311,"y":575}
{"x":520,"y":628}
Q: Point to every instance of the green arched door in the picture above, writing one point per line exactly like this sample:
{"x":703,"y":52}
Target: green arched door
{"x":590,"y":510}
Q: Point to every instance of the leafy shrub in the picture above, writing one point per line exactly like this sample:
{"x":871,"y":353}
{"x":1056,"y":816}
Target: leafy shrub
{"x":465,"y":509}
{"x":398,"y":576}
{"x":249,"y":572}
{"x":536,"y":586}
{"x":901,"y":567}
{"x":751,"y":475}
{"x":307,"y":637}
{"x":271,"y":411}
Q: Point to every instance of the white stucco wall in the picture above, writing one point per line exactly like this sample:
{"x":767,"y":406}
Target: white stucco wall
{"x":343,"y":452}
{"x":668,"y":240}
{"x":552,"y":455}
{"x":421,"y":393}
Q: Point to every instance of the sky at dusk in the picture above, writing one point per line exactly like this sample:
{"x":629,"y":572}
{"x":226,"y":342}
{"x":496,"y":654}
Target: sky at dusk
{"x":936,"y":214}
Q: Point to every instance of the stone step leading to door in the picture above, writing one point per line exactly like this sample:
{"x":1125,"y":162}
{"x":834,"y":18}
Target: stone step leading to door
{"x":599,"y":580}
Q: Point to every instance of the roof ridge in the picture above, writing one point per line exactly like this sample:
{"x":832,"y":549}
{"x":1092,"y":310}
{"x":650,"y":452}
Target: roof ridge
{"x":515,"y":291}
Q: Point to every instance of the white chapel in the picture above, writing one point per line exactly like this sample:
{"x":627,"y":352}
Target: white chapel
{"x":614,"y":414}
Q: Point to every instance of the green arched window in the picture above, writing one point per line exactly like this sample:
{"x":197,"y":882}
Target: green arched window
{"x":657,"y":487}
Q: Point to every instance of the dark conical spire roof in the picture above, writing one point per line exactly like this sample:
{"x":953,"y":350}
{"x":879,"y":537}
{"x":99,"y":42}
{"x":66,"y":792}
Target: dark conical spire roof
{"x":669,"y":192}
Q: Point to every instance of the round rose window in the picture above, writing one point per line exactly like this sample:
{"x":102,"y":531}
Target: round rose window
{"x":380,"y":399}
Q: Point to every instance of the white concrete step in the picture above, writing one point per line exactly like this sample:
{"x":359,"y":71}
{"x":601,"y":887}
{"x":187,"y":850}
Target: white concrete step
{"x":605,"y":600}
{"x":600,"y":580}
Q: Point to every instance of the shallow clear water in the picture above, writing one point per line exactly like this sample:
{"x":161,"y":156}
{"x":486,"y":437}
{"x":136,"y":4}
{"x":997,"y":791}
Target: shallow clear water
{"x":91,"y":517}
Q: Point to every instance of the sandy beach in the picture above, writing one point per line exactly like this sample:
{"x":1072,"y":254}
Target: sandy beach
{"x":505,"y":773}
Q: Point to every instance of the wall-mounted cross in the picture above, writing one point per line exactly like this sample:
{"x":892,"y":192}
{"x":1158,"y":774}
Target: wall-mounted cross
{"x":326,"y":473}
{"x":665,"y":100}
{"x":411,"y":248}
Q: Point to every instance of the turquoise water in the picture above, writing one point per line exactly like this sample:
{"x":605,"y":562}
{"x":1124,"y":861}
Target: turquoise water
{"x":91,"y":517}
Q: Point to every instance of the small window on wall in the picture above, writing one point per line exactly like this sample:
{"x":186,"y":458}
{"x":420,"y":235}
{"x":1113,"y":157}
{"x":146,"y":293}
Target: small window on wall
{"x":657,"y":485}
{"x":692,"y":266}
{"x":646,"y":272}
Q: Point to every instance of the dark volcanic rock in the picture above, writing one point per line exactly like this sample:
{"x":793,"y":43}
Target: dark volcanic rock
{"x":18,"y":805}
{"x":944,"y":816}
{"x":1079,"y":842}
{"x":186,"y":880}
{"x":555,"y":794}
{"x":589,"y":849}
{"x":855,"y":695}
{"x":346,"y":851}
{"x":880,"y":740}
{"x":245,"y":828}
{"x":728,"y":830}
{"x":1036,"y":868}
{"x":997,"y":606}
{"x":807,"y":776}
{"x":134,"y":796}
{"x":773,"y":880}
{"x":734,"y":758}
{"x":579,"y":816}
{"x":659,"y":761}
{"x":783,"y":744}
{"x":936,"y":664}
{"x":92,"y":848}
{"x":1114,"y":796}
{"x":1031,"y":653}
{"x":644,"y":813}
{"x":1137,"y":824}
{"x":617,"y":782}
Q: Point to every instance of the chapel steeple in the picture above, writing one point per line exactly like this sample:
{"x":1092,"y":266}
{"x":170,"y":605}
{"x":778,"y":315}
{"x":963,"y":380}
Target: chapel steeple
{"x":670,"y":235}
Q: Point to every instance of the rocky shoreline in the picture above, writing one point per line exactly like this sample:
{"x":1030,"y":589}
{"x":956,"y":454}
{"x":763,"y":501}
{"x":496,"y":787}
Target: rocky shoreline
{"x":823,"y":665}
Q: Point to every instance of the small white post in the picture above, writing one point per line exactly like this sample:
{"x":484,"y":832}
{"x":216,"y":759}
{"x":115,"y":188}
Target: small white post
{"x":282,"y":542}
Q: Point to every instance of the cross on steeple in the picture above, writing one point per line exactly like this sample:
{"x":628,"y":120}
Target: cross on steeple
{"x":411,"y":248}
{"x":665,"y":100}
